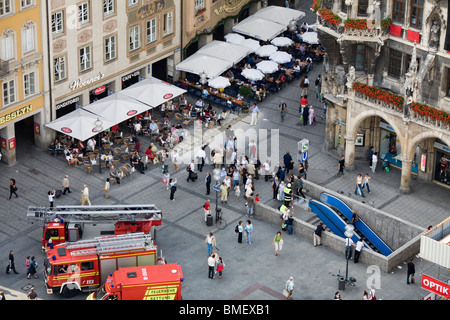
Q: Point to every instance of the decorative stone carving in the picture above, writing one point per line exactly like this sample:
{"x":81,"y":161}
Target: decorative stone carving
{"x":59,"y":45}
{"x":84,"y":36}
{"x":351,"y":77}
{"x":57,"y":4}
{"x":435,"y":34}
{"x":109,"y":26}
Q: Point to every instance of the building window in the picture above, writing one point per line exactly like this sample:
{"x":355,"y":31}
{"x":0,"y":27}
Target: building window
{"x":58,"y":22}
{"x":199,"y":6}
{"x":85,"y":58}
{"x":9,"y":92}
{"x":168,"y":23}
{"x":360,"y":57}
{"x":362,"y":7}
{"x":83,"y":13}
{"x":28,"y":38}
{"x":134,"y":38}
{"x":110,"y":48}
{"x":151,"y":31}
{"x":344,"y":7}
{"x":60,"y":68}
{"x":26,"y":3}
{"x":447,"y":93}
{"x":132,"y":2}
{"x":29,"y":84}
{"x":398,"y":11}
{"x":8,"y":42}
{"x":395,"y":63}
{"x":417,"y":13}
{"x":108,"y":7}
{"x":5,"y":7}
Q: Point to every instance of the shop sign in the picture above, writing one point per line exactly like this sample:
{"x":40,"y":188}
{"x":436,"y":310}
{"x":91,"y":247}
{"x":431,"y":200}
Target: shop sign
{"x":441,"y":146}
{"x":16,"y":114}
{"x":79,"y":83}
{"x":3,"y":143}
{"x":100,"y":90}
{"x":67,"y":103}
{"x":440,"y":288}
{"x":12,"y":143}
{"x":386,"y":126}
{"x":423,"y":163}
{"x":131,"y":75}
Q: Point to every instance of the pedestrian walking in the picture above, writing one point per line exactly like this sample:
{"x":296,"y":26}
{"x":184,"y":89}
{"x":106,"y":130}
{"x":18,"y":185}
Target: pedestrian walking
{"x":200,"y":159}
{"x":371,"y":151}
{"x":318,"y":85}
{"x":27,"y":263}
{"x":287,"y":195}
{"x":192,"y":175}
{"x":220,"y":265}
{"x":311,"y":116}
{"x":372,"y":295}
{"x":365,"y":295}
{"x":175,"y":159}
{"x":250,"y":205}
{"x":237,"y":191}
{"x":358,"y":249}
{"x":348,"y":248}
{"x":281,"y":187}
{"x":208,"y":183}
{"x":106,"y":188}
{"x":278,"y":243}
{"x":266,"y":168}
{"x":85,"y":195}
{"x":366,"y":181}
{"x":210,"y":241}
{"x":211,"y":265}
{"x":11,"y":265}
{"x":51,"y":198}
{"x":374,"y":161}
{"x":282,"y":109}
{"x":249,"y":231}
{"x":2,"y":296}
{"x":337,"y":296}
{"x":275,"y":189}
{"x":32,"y":269}
{"x":66,"y":185}
{"x":207,"y":208}
{"x":166,"y":179}
{"x":305,"y":85}
{"x":410,"y":271}
{"x":240,"y":230}
{"x":173,"y":188}
{"x":255,"y":114}
{"x":32,"y":295}
{"x":12,"y":188}
{"x":358,"y":189}
{"x":318,"y":235}
{"x":290,"y":224}
{"x":299,"y":188}
{"x":223,"y":192}
{"x":305,"y":115}
{"x":341,"y":167}
{"x":289,"y":288}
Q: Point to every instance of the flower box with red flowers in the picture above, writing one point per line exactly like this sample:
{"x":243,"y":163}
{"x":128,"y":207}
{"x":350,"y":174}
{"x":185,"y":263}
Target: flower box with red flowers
{"x":316,"y":5}
{"x":430,"y":112}
{"x":330,"y":16}
{"x":379,"y":94}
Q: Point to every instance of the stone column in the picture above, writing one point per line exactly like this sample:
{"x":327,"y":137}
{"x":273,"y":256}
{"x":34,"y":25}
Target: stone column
{"x":8,"y":156}
{"x":349,"y":153}
{"x":405,"y":181}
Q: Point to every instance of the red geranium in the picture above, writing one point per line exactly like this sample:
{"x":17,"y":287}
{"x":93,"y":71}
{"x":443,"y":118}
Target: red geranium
{"x":330,"y":16}
{"x":379,"y":94}
{"x":433,"y":113}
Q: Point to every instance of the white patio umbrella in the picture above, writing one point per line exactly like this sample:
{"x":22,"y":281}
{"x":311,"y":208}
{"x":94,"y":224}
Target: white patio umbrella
{"x":153,"y":91}
{"x":281,"y":57}
{"x":117,"y":107}
{"x":260,"y":29}
{"x":252,"y":74}
{"x":225,"y":51}
{"x":198,"y":63}
{"x":266,"y":50}
{"x":310,"y":37}
{"x":234,"y":38}
{"x":281,"y":42}
{"x":279,"y":14}
{"x":219,"y":82}
{"x":79,"y":124}
{"x":252,"y":44}
{"x":267,"y":66}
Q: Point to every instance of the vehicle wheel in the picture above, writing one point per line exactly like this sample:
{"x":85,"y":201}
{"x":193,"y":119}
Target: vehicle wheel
{"x":70,"y":292}
{"x":221,"y":224}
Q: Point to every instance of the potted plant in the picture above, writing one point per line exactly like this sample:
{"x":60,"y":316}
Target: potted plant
{"x":247,"y":93}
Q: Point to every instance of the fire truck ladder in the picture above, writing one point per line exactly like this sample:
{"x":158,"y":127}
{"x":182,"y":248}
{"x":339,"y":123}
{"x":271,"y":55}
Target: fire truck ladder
{"x":95,"y":214}
{"x":126,"y":242}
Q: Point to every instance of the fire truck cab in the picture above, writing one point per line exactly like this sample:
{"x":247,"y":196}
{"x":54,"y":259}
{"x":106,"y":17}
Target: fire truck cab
{"x":158,"y":282}
{"x":83,"y":266}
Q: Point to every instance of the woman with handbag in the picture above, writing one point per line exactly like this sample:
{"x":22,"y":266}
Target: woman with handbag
{"x":289,"y":290}
{"x":12,"y":189}
{"x":220,"y":266}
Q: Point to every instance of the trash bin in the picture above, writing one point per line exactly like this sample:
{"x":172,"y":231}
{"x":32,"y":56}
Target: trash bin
{"x":341,"y":283}
{"x":209,"y":220}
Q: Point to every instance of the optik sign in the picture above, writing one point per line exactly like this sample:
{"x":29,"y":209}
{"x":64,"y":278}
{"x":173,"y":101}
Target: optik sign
{"x":440,"y":288}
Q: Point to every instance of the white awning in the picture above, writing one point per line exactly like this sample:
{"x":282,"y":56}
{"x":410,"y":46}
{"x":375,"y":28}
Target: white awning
{"x":225,"y":51}
{"x":260,"y":29}
{"x":198,"y":63}
{"x":281,"y":15}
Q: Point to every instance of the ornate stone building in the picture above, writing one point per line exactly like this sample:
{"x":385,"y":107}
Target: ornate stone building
{"x":386,"y":83}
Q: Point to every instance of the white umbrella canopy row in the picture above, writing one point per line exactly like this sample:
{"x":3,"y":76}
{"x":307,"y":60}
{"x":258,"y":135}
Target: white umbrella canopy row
{"x":219,"y":82}
{"x":252,"y":74}
{"x":280,"y":57}
{"x":266,"y":50}
{"x":267,"y":66}
{"x":281,"y":15}
{"x":310,"y":37}
{"x":282,"y":42}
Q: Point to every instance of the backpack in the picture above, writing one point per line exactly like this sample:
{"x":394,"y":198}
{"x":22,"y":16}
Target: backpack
{"x":236,"y":229}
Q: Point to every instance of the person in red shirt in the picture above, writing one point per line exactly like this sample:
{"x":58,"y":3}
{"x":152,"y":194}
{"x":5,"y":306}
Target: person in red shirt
{"x":303,"y":103}
{"x":207,"y":208}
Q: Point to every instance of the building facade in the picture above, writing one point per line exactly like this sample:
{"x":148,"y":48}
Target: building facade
{"x":205,"y":21}
{"x":386,"y":83}
{"x":98,"y":48}
{"x":22,"y":77}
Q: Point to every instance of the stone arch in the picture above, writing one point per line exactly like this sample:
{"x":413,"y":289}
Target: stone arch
{"x":352,"y":126}
{"x":423,"y":136}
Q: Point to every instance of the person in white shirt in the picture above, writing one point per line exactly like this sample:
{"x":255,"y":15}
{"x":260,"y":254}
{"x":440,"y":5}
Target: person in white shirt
{"x":359,"y":247}
{"x":175,"y":159}
{"x":374,"y":161}
{"x":266,"y":167}
{"x":137,"y":127}
{"x":290,"y":287}
{"x":85,"y":195}
{"x":201,"y":159}
{"x":255,"y":114}
{"x":348,"y":248}
{"x":51,"y":198}
{"x":91,"y":144}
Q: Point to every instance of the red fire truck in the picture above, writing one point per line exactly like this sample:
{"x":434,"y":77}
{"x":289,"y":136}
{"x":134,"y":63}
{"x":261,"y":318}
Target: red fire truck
{"x":158,"y":282}
{"x":72,"y":223}
{"x":84,"y":265}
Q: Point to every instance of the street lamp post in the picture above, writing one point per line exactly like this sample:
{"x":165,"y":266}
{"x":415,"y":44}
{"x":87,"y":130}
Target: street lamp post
{"x":99,"y":128}
{"x":216,"y":177}
{"x":349,"y":231}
